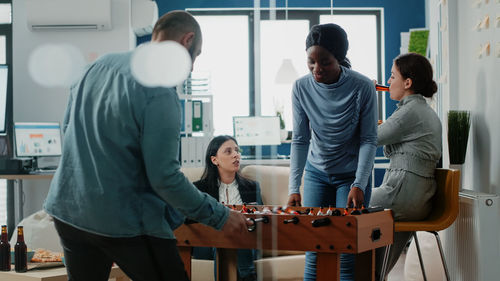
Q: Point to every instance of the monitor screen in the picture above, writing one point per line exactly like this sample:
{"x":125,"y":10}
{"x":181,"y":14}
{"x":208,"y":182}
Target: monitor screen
{"x":37,"y":139}
{"x":257,"y":130}
{"x":4,"y":74}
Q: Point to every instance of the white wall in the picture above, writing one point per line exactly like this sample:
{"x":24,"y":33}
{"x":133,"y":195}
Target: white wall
{"x":479,"y":91}
{"x":33,"y":102}
{"x":473,"y":84}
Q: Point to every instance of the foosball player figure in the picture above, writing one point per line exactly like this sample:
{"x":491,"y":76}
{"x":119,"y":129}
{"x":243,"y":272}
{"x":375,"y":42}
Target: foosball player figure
{"x":266,"y":211}
{"x":346,"y":211}
{"x":311,"y":212}
{"x":244,"y":209}
{"x":277,"y":210}
{"x":291,"y":211}
{"x":329,"y":212}
{"x":355,"y":211}
{"x":305,"y":212}
{"x":320,"y":212}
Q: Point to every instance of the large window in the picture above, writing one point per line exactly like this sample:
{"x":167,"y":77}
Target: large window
{"x":234,"y":52}
{"x":281,"y":40}
{"x":225,"y":58}
{"x":363,"y":44}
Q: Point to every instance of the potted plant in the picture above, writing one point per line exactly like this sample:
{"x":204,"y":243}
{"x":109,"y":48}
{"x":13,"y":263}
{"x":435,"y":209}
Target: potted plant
{"x":279,"y":107}
{"x":283,"y":132}
{"x":458,"y":135}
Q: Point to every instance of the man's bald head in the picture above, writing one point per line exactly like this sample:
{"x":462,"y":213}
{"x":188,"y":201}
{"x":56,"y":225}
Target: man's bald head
{"x":176,"y":25}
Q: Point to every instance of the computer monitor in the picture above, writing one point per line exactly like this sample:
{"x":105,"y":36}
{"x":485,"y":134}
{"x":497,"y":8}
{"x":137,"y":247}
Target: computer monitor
{"x":257,"y":130}
{"x":36,"y":139}
{"x":4,"y":75}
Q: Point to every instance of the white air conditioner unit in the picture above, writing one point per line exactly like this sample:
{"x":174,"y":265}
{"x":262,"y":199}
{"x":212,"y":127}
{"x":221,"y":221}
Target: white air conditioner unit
{"x":68,"y":14}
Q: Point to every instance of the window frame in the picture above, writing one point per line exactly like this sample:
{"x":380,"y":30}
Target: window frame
{"x":313,"y":16}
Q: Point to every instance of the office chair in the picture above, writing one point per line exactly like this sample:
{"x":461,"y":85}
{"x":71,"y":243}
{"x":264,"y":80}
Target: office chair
{"x":443,"y":214}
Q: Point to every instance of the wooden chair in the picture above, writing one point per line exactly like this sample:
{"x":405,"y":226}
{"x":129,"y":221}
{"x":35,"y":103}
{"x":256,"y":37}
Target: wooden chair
{"x":443,"y":214}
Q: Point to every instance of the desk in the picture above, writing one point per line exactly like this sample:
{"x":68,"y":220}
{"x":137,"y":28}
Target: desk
{"x":53,"y":274}
{"x":11,"y":179}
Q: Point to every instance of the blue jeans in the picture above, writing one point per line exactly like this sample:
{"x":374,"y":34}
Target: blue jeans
{"x":323,"y":190}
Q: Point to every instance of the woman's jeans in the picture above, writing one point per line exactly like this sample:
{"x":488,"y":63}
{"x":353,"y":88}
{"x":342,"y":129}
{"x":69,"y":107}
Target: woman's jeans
{"x":324,"y":190}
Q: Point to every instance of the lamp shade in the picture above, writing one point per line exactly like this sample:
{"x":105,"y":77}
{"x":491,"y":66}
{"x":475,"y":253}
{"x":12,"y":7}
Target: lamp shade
{"x":287,"y":73}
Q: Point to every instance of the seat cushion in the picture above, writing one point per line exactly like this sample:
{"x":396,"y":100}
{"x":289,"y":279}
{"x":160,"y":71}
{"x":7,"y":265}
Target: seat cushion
{"x":283,"y":268}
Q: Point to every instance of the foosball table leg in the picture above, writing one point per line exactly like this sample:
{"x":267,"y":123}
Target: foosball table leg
{"x":227,"y":265}
{"x":328,"y":266}
{"x":185,"y":253}
{"x":365,"y":266}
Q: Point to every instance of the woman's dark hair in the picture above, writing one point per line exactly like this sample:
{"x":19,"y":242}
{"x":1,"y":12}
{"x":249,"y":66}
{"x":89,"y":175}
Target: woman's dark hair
{"x":419,"y":70}
{"x":331,"y":37}
{"x":211,"y":172}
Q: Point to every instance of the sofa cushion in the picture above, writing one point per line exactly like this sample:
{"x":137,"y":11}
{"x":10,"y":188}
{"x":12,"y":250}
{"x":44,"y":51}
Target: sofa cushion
{"x":273,"y":182}
{"x":283,"y":268}
{"x":192,"y":173}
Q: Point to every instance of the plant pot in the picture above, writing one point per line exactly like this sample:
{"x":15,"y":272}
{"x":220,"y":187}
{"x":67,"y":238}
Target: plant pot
{"x":459,"y":168}
{"x":458,"y":135}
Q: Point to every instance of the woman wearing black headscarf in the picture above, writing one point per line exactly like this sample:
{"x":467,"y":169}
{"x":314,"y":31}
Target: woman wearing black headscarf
{"x":334,"y":132}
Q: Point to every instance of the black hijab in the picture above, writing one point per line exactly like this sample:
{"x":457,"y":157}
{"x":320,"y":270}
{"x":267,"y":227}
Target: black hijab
{"x":331,"y":37}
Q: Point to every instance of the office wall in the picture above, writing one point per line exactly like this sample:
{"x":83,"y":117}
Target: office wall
{"x":32,"y":102}
{"x":471,"y":83}
{"x":477,"y":89}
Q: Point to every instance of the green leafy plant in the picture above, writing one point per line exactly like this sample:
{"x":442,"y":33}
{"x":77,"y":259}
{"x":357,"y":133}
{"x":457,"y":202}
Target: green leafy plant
{"x":282,"y":122}
{"x":458,"y":134}
{"x":419,"y":41}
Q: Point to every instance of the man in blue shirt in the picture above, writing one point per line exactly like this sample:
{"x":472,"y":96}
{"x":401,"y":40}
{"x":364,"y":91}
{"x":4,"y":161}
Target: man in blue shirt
{"x":118,"y":193}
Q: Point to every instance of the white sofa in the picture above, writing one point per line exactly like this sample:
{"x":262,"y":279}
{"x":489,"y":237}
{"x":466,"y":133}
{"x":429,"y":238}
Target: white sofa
{"x":275,"y":265}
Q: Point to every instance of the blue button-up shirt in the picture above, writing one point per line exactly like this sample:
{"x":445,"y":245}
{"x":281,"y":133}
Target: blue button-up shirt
{"x":119,"y":174}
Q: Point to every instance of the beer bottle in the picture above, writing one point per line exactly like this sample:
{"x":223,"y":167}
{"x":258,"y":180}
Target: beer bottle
{"x":381,"y":88}
{"x":21,"y":252}
{"x":4,"y":250}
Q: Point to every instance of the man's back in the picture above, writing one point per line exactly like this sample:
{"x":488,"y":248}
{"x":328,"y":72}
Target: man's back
{"x":102,"y":164}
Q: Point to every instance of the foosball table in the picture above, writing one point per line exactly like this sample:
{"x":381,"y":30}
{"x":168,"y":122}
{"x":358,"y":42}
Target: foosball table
{"x":329,"y":232}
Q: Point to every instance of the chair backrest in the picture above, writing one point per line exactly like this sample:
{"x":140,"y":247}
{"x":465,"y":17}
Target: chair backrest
{"x":444,"y":204}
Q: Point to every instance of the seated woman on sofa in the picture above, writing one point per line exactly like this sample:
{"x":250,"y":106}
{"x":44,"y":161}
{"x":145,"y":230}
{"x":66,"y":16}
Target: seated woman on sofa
{"x":222,"y":181}
{"x":412,"y":141}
